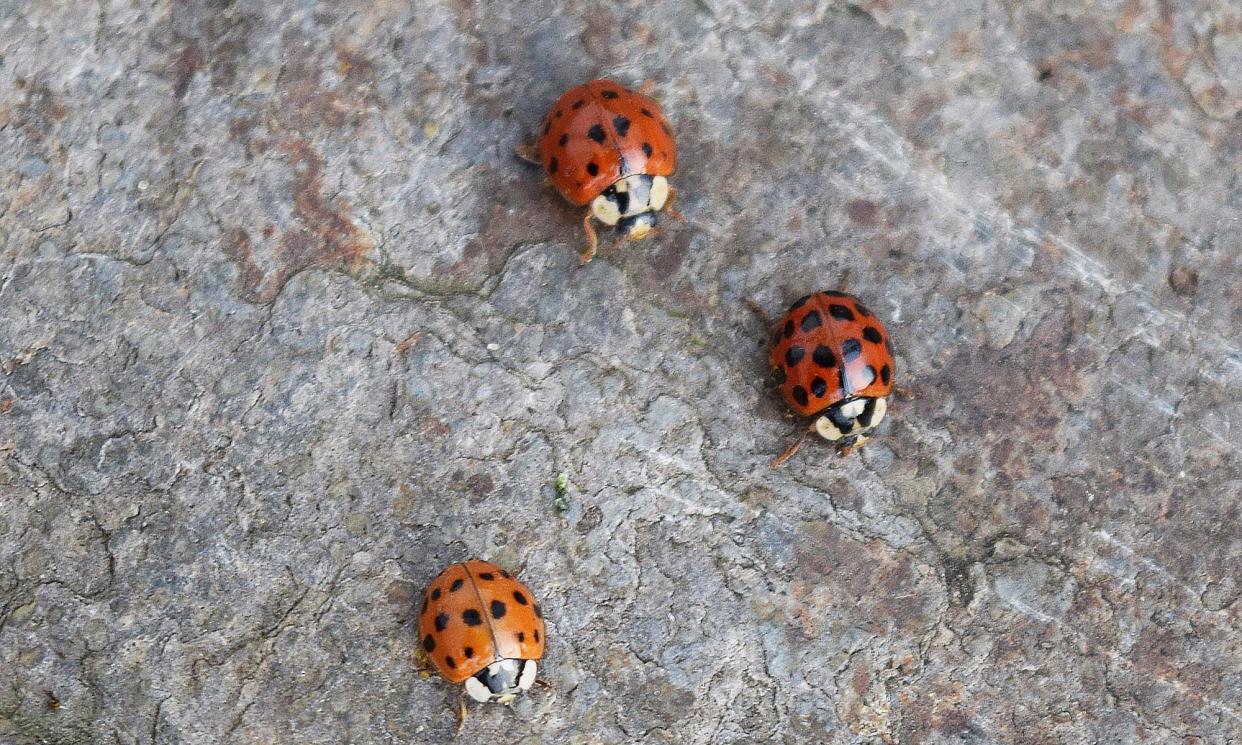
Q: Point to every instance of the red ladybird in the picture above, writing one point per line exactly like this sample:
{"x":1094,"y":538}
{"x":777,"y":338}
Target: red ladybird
{"x":482,"y":629}
{"x":609,"y":146}
{"x":832,"y":358}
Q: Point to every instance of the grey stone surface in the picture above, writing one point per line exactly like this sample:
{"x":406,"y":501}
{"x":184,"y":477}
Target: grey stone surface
{"x":284,"y":328}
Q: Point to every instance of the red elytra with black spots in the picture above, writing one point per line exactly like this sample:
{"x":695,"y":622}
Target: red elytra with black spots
{"x":600,"y":132}
{"x":829,"y":348}
{"x":475,"y":613}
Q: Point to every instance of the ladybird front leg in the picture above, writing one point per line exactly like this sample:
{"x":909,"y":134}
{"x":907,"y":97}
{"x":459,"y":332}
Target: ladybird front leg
{"x":758,"y":311}
{"x":668,"y":205}
{"x":789,"y":453}
{"x":528,"y":153}
{"x":647,"y":88}
{"x":461,"y":713}
{"x":592,"y":241}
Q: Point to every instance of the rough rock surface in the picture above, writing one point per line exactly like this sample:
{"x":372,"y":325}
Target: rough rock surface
{"x":284,"y":328}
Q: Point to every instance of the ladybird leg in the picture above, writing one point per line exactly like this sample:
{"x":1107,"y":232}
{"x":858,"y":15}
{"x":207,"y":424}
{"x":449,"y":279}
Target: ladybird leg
{"x":844,"y":284}
{"x":528,"y":153}
{"x":592,"y":240}
{"x":780,"y":459}
{"x":421,"y":663}
{"x":647,"y":88}
{"x":903,"y":391}
{"x":668,"y":204}
{"x":754,"y":308}
{"x":543,"y":683}
{"x":461,"y":713}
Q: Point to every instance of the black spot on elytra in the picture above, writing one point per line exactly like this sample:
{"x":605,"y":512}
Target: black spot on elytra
{"x":596,"y":132}
{"x":819,"y":387}
{"x":552,"y":166}
{"x":622,"y":124}
{"x":799,"y":395}
{"x":521,"y":637}
{"x":579,"y":103}
{"x":862,"y":309}
{"x":872,"y":334}
{"x":538,"y":610}
{"x":811,"y":321}
{"x":794,"y":355}
{"x":498,"y":609}
{"x":519,"y":597}
{"x":789,"y":328}
{"x":429,"y":644}
{"x":647,"y":149}
{"x":505,"y":574}
{"x":592,"y":168}
{"x":435,"y":594}
{"x":487,"y":576}
{"x":559,"y":112}
{"x":609,"y":94}
{"x":536,"y":634}
{"x":840,"y":312}
{"x":471,"y":617}
{"x":457,"y":583}
{"x":824,"y":357}
{"x":886,"y":374}
{"x":564,"y":140}
{"x":442,"y":620}
{"x":799,"y":302}
{"x":468,"y":652}
{"x":452,"y":663}
{"x":851,"y":349}
{"x":647,"y":113}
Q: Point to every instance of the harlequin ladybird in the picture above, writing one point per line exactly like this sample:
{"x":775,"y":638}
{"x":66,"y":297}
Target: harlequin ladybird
{"x":609,"y":146}
{"x":481,"y":627}
{"x":832,"y":357}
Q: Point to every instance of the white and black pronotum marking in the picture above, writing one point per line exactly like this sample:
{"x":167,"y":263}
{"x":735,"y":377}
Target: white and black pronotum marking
{"x":631,"y":204}
{"x":845,"y":423}
{"x":502,"y":681}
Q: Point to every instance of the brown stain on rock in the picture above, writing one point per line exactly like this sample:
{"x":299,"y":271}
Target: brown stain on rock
{"x":187,"y":64}
{"x":323,"y":235}
{"x":862,"y":211}
{"x":873,"y":587}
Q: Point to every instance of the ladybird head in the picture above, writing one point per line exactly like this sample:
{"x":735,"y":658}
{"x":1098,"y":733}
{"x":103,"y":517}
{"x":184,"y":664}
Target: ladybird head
{"x":847,"y":423}
{"x":631,"y":204}
{"x":502,"y":681}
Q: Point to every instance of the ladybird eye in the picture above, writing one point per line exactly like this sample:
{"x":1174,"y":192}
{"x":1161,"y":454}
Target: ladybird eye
{"x":778,"y":374}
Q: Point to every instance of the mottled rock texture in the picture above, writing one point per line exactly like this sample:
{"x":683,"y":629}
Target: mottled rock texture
{"x":284,"y":328}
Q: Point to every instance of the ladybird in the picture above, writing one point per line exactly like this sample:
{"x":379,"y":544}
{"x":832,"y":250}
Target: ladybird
{"x":833,"y":359}
{"x":481,"y":627}
{"x":608,"y":146}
